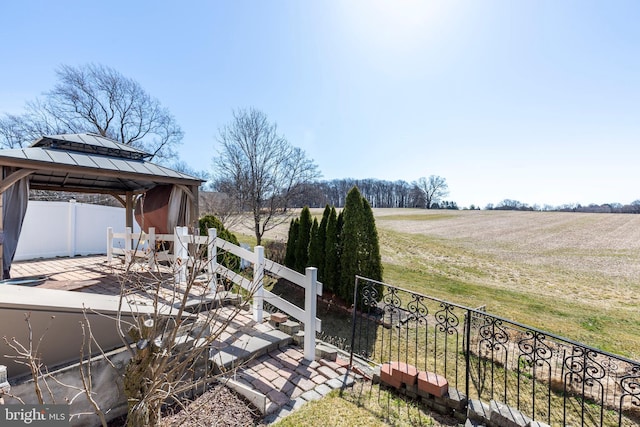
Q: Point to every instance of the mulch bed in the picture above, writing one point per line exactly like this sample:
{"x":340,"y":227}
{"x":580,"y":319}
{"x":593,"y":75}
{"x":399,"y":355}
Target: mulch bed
{"x":219,"y":406}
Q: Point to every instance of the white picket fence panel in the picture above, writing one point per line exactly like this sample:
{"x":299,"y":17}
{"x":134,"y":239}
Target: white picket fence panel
{"x":143,"y":245}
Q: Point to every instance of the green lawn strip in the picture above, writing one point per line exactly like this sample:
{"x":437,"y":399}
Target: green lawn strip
{"x":615,"y":330}
{"x":365,"y":405}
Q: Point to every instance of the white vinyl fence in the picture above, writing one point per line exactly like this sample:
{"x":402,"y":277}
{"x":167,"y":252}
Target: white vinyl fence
{"x":142,"y":246}
{"x":52,"y":229}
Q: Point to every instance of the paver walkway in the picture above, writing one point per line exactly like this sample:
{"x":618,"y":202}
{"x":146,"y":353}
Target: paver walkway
{"x":274,"y":367}
{"x":289,"y":381}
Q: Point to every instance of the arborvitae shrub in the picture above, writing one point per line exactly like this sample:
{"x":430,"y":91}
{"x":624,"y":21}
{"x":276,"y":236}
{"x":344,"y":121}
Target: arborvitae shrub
{"x":332,"y":254}
{"x":290,"y":254}
{"x":232,"y":262}
{"x":302,"y":243}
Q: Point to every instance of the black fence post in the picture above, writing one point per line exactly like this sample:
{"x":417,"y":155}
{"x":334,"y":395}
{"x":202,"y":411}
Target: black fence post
{"x":353,"y":322}
{"x":467,"y":353}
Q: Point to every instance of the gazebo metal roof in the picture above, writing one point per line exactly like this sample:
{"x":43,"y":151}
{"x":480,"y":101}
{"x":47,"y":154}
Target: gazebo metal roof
{"x":90,"y":163}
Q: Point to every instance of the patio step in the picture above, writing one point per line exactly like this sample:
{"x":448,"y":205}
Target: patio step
{"x":246,"y":347}
{"x":212,"y":301}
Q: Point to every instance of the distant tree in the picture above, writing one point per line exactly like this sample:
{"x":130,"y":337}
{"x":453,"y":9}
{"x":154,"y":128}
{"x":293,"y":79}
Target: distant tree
{"x":96,"y":99}
{"x":433,"y":189}
{"x":332,"y":253}
{"x":445,"y":205}
{"x":184,"y":167}
{"x":260,"y":170}
{"x":513,"y":205}
{"x":304,"y":237}
{"x":290,"y":254}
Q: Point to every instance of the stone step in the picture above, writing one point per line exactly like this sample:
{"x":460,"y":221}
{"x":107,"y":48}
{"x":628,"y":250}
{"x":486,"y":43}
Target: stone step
{"x":245,"y":348}
{"x":212,"y":301}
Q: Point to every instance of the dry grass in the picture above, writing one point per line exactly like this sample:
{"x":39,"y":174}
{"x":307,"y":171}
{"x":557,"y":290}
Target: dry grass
{"x":574,"y":274}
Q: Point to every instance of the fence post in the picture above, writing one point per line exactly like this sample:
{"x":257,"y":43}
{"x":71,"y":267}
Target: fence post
{"x":151,"y":248}
{"x":127,"y":244}
{"x":310,"y":303}
{"x":109,"y":243}
{"x":467,"y":354}
{"x":71,"y":244}
{"x":258,"y":281}
{"x":212,"y":256}
{"x":181,"y":254}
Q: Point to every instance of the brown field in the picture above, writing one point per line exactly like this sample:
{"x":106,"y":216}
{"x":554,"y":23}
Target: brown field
{"x":572,"y":274}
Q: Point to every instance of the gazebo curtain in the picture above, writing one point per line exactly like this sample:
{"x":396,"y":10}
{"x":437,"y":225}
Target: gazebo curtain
{"x":14,"y":203}
{"x":178,"y":208}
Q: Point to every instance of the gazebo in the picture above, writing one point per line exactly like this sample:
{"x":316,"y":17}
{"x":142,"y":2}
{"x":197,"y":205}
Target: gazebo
{"x":86,"y":163}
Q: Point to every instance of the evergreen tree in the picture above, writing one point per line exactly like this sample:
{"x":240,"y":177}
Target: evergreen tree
{"x":290,"y":254}
{"x":371,"y":263}
{"x":315,"y":248}
{"x":332,"y":258}
{"x":322,"y":239}
{"x":351,"y":238}
{"x":302,"y":243}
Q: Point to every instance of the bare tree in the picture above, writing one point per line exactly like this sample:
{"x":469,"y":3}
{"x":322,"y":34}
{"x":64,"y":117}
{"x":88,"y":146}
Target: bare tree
{"x":434,"y":189}
{"x":259,"y":170}
{"x":98,"y":99}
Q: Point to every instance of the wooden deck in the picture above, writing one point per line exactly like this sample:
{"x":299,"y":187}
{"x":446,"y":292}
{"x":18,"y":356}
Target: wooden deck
{"x":92,"y":273}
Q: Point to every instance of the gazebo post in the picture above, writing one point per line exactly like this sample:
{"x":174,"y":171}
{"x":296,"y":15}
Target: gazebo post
{"x":129,"y":215}
{"x":195,"y":208}
{"x":129,"y":209}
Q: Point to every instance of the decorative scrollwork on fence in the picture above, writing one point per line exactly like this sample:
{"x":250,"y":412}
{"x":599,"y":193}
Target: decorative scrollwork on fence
{"x":446,"y":320}
{"x":391,"y":300}
{"x":534,"y":350}
{"x":418,"y":309}
{"x":494,"y":336}
{"x":583,"y":368}
{"x":630,"y":386}
{"x":370,"y":296}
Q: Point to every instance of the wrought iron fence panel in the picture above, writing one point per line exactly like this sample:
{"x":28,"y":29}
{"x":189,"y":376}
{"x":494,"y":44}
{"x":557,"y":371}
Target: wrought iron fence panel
{"x":547,"y":377}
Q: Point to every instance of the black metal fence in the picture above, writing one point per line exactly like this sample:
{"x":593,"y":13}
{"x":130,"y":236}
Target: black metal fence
{"x":547,"y":377}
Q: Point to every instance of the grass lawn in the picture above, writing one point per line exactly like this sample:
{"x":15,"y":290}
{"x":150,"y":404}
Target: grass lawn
{"x":573,"y":274}
{"x":365,"y":405}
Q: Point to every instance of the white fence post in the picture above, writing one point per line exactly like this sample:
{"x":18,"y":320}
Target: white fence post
{"x":181,"y":253}
{"x":109,"y":244}
{"x":151,"y":249}
{"x":310,"y":303}
{"x":71,"y":245}
{"x":127,"y":245}
{"x":212,"y":252}
{"x":258,"y":281}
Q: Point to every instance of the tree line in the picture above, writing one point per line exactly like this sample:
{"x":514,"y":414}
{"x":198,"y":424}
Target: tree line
{"x":515,"y":205}
{"x":426,"y":193}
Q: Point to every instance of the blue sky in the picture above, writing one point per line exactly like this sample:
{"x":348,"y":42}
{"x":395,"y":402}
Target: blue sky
{"x":537,"y":101}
